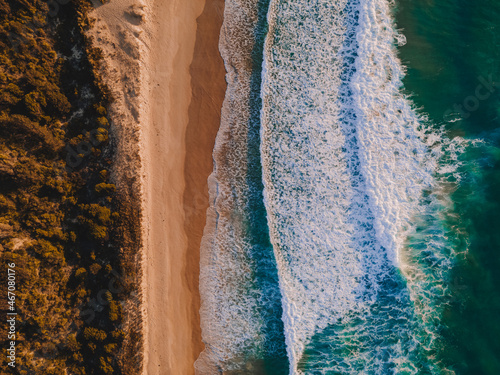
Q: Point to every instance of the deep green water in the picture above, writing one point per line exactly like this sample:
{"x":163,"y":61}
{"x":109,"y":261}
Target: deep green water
{"x":453,"y":56}
{"x":306,"y":267}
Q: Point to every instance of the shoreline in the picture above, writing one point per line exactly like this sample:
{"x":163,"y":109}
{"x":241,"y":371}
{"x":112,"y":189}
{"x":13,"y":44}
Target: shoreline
{"x":185,"y":117}
{"x":163,"y":64}
{"x":208,"y":87}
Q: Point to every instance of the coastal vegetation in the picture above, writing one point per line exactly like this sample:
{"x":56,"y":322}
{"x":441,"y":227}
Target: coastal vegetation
{"x":63,"y":222}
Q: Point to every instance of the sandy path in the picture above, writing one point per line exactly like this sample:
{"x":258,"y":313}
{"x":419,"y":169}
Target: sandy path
{"x":186,"y":92}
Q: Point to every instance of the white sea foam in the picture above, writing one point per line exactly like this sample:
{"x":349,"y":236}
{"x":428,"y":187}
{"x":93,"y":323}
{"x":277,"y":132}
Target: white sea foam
{"x":235,"y":327}
{"x":345,"y":161}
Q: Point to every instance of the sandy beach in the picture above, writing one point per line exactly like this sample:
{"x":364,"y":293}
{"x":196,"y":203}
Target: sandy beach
{"x":185,"y":115}
{"x":163,"y":65}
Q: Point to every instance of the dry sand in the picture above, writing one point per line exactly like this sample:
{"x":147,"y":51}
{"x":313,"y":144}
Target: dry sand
{"x":163,"y":65}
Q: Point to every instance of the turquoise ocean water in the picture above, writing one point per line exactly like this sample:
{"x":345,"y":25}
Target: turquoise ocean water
{"x":354,"y":219}
{"x":453,"y":55}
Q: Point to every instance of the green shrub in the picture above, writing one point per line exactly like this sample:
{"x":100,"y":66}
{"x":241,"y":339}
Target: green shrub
{"x":98,"y":232}
{"x":92,"y":346}
{"x":118,"y":334}
{"x":55,"y":213}
{"x":49,"y":252}
{"x":72,"y":343}
{"x":104,"y":174}
{"x":95,"y":268}
{"x":105,"y":365}
{"x":104,"y":188}
{"x":115,"y":311}
{"x":100,"y":109}
{"x":94,"y":334}
{"x":81,"y":273}
{"x":103,"y":122}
